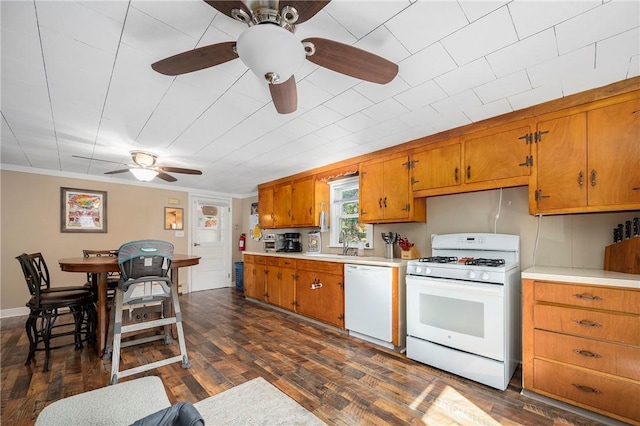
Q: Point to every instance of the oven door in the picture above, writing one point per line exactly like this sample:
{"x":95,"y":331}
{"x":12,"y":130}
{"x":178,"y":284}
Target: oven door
{"x":462,"y":315}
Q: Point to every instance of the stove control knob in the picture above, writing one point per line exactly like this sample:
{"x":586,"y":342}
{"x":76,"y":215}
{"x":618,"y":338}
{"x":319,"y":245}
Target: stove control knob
{"x":472,"y":274}
{"x":418,"y":269}
{"x":427,"y":270}
{"x":484,"y":276}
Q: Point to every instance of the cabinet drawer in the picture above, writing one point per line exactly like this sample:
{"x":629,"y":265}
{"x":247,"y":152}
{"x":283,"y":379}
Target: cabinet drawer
{"x":286,"y":262}
{"x":620,"y":360}
{"x":588,"y":296}
{"x":605,"y":393}
{"x":582,"y":322}
{"x":321,"y":266}
{"x":272,"y":261}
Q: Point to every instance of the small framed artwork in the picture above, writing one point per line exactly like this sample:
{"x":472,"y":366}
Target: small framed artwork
{"x":83,"y":210}
{"x":173,"y":218}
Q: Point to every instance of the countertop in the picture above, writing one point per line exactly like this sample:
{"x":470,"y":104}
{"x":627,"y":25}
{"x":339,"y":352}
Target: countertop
{"x":582,"y":276}
{"x":326,"y":257}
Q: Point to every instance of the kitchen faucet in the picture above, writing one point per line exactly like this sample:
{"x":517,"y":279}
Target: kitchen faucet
{"x":345,"y":243}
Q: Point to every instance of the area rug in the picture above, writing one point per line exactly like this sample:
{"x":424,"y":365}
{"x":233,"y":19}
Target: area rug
{"x":256,"y":402}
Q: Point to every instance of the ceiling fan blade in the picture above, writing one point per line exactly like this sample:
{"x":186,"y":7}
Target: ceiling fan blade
{"x":285,"y":96}
{"x":352,"y":61}
{"x":115,"y":172}
{"x":164,"y":176}
{"x":227,"y":6}
{"x":306,"y":9}
{"x":196,"y":59}
{"x":179,"y":170}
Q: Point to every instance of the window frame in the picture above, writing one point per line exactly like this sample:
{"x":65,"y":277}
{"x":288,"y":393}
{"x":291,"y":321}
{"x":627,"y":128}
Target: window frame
{"x":336,"y":212}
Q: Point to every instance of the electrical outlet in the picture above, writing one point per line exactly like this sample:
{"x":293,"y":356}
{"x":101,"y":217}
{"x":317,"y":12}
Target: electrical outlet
{"x":179,"y":233}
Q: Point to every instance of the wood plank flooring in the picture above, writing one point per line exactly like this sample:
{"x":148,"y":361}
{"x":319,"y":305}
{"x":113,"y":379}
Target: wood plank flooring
{"x":342,"y":380}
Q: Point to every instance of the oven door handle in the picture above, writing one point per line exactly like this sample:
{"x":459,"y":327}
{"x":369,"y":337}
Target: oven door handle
{"x":452,"y":285}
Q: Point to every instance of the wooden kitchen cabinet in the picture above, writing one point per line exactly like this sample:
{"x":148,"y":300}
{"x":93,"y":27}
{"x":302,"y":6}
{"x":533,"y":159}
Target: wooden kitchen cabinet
{"x":282,"y":216}
{"x":255,"y":276}
{"x":320,"y":291}
{"x":581,"y":345}
{"x":385,"y":193}
{"x":498,"y":154}
{"x":265,"y":207}
{"x":588,"y":161}
{"x":436,"y":167}
{"x":280,"y":287}
{"x":302,"y":202}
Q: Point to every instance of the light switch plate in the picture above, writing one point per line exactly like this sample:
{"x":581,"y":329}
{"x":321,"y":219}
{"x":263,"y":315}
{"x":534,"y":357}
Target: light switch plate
{"x":179,"y":233}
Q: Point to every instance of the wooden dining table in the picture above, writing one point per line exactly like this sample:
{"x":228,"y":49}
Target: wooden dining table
{"x":101,"y":266}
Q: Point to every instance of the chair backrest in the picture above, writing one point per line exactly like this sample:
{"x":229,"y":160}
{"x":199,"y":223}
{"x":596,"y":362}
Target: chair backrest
{"x":144,"y":258}
{"x":36,"y":273}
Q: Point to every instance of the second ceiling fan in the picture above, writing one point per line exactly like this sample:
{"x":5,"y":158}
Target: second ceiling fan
{"x":270,"y":49}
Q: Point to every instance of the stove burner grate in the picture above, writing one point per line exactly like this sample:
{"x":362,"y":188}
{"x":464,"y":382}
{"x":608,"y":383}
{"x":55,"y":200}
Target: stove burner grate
{"x":439,"y":259}
{"x":485,"y":262}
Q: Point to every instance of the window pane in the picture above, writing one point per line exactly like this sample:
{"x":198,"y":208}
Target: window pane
{"x":350,"y":208}
{"x":354,"y":231}
{"x":350,"y":193}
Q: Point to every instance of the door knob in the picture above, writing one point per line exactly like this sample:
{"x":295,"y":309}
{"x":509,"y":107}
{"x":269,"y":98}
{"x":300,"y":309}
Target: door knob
{"x":196,"y":244}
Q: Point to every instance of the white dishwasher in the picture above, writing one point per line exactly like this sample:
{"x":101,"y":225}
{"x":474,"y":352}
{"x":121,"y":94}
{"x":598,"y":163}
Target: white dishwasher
{"x":367,"y":303}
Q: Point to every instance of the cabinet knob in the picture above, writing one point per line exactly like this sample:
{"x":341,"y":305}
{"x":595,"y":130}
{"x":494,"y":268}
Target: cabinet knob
{"x":587,"y":354}
{"x":594,"y":176}
{"x":587,"y":323}
{"x":584,"y":296}
{"x":583,"y":388}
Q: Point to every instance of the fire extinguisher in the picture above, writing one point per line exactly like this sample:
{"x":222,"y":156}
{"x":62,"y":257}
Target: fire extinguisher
{"x":241,"y":242}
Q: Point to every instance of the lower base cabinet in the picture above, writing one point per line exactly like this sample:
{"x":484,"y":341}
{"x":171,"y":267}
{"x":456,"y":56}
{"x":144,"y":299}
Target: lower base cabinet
{"x":311,"y":288}
{"x":581,"y":345}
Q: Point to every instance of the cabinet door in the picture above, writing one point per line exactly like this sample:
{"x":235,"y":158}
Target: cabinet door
{"x":614,"y":154}
{"x":302,"y":210}
{"x":306,"y":293}
{"x":330,"y":300}
{"x":282,"y":206}
{"x":371,"y":191}
{"x":287,"y":288}
{"x":560,"y":161}
{"x":254,"y":285}
{"x":265,"y":207}
{"x":436,"y":168}
{"x":395,"y":199}
{"x":498,"y":155}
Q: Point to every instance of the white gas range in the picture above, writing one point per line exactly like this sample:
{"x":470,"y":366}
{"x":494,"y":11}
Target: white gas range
{"x":463,"y":306}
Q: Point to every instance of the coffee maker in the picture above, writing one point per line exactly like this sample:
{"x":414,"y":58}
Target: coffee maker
{"x":291,"y":242}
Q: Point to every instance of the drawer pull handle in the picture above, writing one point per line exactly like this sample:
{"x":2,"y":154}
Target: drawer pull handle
{"x":587,"y":297}
{"x":587,"y":354}
{"x":587,"y":389}
{"x":587,"y":323}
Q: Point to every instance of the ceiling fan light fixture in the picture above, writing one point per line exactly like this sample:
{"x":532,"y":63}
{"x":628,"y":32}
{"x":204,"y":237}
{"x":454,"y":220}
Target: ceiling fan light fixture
{"x":143,"y":159}
{"x":270,"y":50}
{"x":144,"y":175}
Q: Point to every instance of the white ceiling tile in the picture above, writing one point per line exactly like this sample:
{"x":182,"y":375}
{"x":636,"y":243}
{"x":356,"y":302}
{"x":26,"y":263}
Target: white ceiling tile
{"x":425,"y":65}
{"x":501,"y":88}
{"x":356,"y":122}
{"x":562,"y":67}
{"x":370,"y":16}
{"x":422,"y":117}
{"x":321,"y":116}
{"x":325,"y":26}
{"x":310,"y":95}
{"x":616,"y":54}
{"x":331,"y":81}
{"x":348,"y":103}
{"x":488,"y":110}
{"x":379,"y":92}
{"x":531,"y":17}
{"x":425,"y":22}
{"x":518,"y":56}
{"x":475,"y":10}
{"x":421,"y":95}
{"x":625,"y":14}
{"x":385,"y":110}
{"x":536,"y":96}
{"x":189,"y":17}
{"x":454,"y":104}
{"x":484,"y":36}
{"x":382,"y":43}
{"x":332,"y":132}
{"x":466,"y":77}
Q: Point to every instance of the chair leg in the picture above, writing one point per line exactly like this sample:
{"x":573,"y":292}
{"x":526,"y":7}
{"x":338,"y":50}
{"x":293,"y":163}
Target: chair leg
{"x":117,"y":336}
{"x":79,"y":320}
{"x":49,"y":319}
{"x":30,"y":328}
{"x":176,"y":309}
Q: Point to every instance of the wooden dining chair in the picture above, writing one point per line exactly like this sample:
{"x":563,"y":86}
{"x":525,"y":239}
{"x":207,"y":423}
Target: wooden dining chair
{"x":112,"y":277}
{"x":47,"y":304}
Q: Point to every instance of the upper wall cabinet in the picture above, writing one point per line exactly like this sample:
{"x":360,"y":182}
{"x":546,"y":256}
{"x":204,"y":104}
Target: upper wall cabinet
{"x":385,"y":194}
{"x":501,"y":155}
{"x":437,"y":167}
{"x":588,"y":161}
{"x":293,"y":204}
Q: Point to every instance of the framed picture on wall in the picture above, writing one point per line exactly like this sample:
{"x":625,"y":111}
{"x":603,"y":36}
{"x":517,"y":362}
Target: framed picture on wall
{"x":83,"y":210}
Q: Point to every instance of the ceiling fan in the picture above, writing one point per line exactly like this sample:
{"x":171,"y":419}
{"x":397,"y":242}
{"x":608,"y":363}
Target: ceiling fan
{"x":144,"y":167}
{"x":270,"y":49}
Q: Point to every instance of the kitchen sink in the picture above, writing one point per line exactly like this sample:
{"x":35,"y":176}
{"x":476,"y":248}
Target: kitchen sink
{"x":328,"y":255}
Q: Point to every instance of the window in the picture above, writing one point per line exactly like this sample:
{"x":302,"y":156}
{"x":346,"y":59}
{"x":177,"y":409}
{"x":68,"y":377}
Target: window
{"x":344,"y":215}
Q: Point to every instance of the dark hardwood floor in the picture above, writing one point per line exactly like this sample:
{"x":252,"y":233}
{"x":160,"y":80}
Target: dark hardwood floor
{"x":342,"y":380}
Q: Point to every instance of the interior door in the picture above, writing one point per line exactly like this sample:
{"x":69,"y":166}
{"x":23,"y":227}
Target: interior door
{"x":210,"y":238}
